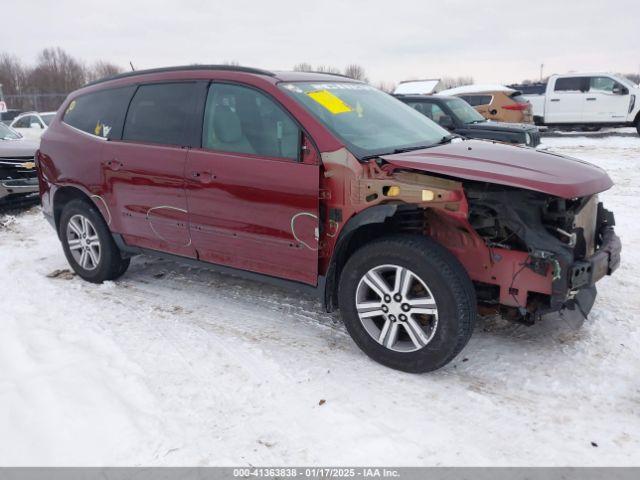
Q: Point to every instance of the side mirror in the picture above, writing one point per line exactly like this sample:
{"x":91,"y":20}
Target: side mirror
{"x":35,"y":125}
{"x":446,"y":121}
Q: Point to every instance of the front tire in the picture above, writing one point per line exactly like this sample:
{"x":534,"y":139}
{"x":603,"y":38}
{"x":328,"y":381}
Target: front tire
{"x":407,"y":302}
{"x":88,"y":244}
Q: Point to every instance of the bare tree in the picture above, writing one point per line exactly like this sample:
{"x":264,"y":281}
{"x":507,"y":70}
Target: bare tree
{"x":307,"y":67}
{"x":56,"y":71}
{"x":45,"y":85}
{"x":303,"y":67}
{"x":388,"y":87}
{"x":102,"y":69}
{"x":356,"y":72}
{"x":328,"y":69}
{"x":451,"y":82}
{"x":12,"y":74}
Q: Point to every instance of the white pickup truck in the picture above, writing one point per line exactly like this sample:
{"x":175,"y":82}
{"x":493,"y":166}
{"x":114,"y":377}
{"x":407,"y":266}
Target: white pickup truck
{"x":586,"y":100}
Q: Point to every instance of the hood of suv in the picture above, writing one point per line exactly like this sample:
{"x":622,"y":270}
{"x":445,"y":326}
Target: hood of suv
{"x":20,"y":147}
{"x":492,"y":126}
{"x":507,"y":165}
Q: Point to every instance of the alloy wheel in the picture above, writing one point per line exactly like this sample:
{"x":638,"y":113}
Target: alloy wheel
{"x":396,"y":308}
{"x":83,"y":242}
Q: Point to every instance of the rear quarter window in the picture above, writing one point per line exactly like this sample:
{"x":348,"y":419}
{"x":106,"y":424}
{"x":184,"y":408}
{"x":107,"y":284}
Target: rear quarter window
{"x":99,"y":113}
{"x":476,"y":100}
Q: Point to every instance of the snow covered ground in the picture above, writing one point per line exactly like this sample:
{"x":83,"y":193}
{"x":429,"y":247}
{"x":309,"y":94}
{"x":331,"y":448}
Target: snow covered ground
{"x":178,"y":366}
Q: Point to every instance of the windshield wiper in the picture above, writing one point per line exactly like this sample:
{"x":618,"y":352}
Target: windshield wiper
{"x":410,"y":149}
{"x":445,"y":139}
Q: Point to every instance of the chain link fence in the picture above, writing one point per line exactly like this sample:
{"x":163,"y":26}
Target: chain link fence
{"x":39,"y":102}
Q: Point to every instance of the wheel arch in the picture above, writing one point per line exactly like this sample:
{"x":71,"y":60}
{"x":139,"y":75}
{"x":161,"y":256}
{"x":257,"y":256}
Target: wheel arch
{"x":368,"y":225}
{"x":64,"y":195}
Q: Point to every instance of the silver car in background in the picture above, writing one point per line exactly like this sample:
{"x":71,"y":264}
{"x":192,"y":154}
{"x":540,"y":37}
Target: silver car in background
{"x":18,"y":180}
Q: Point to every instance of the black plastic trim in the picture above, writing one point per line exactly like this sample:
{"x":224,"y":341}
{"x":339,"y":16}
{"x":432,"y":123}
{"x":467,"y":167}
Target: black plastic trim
{"x":292,"y":285}
{"x":227,"y":68}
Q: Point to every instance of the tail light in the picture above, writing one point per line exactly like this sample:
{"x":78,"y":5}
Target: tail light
{"x":517,"y":106}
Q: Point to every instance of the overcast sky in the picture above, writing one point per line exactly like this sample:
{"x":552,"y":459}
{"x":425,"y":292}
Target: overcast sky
{"x":493,"y":41}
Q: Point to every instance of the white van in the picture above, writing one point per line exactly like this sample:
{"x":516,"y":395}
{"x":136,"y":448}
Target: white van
{"x":587,"y":99}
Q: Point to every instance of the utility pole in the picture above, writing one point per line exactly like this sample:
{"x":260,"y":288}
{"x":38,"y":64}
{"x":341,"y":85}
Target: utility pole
{"x":541,"y":67}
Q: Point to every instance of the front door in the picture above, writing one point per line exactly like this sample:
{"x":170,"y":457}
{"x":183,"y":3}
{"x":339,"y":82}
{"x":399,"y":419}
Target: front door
{"x":252,"y":195}
{"x":602,"y":105}
{"x":144,"y":172}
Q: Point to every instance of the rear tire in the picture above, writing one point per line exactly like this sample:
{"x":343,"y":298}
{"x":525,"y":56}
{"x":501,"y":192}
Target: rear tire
{"x":407,"y":302}
{"x":638,"y":126}
{"x":88,"y":244}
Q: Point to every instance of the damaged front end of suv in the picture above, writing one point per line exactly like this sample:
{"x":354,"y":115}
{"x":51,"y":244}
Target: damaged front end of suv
{"x":528,"y":226}
{"x":569,"y":245}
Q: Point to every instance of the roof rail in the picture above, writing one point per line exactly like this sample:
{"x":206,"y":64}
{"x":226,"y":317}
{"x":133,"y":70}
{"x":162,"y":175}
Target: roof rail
{"x":232,"y":68}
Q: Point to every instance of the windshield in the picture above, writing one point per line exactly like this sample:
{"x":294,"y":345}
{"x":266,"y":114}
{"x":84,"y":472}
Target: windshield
{"x":7,"y":133}
{"x":465,"y":112}
{"x":368,"y":121}
{"x":47,"y":117}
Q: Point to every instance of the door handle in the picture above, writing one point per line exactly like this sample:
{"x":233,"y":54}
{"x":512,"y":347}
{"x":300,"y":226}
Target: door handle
{"x":590,"y":98}
{"x":554,"y":100}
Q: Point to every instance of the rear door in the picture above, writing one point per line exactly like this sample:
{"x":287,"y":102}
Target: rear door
{"x":566,"y":100}
{"x":253,"y":196}
{"x":144,"y":172}
{"x":602,"y":105}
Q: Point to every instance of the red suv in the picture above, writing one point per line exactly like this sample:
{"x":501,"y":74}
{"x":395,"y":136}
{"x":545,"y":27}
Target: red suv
{"x":319,"y":182}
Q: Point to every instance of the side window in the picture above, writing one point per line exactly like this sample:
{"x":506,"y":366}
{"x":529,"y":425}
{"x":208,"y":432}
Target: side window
{"x":422,"y":107}
{"x":100,"y":113}
{"x":571,"y":84}
{"x":470,"y":99}
{"x":602,"y":84}
{"x":243,"y":120}
{"x":437,"y":113}
{"x":476,"y":100}
{"x":24,"y":122}
{"x":161,"y":113}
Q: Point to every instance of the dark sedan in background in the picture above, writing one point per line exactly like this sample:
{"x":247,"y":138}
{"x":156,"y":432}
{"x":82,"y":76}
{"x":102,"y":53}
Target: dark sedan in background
{"x":460,"y":118}
{"x":18,"y":179}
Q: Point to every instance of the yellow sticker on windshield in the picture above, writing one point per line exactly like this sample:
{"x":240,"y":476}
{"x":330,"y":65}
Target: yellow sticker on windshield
{"x":329,"y":101}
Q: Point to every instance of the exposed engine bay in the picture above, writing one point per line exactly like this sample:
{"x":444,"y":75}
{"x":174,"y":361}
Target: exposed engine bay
{"x":560,"y":236}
